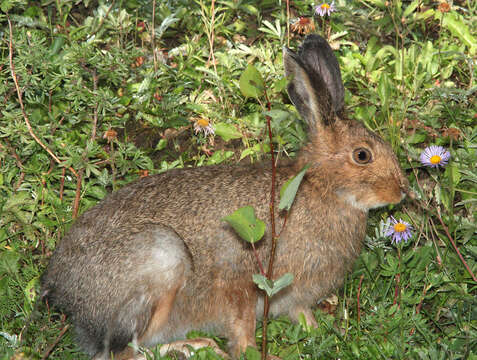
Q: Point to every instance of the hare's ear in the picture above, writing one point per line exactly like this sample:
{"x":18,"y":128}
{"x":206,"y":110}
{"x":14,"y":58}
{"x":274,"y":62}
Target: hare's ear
{"x":315,"y":86}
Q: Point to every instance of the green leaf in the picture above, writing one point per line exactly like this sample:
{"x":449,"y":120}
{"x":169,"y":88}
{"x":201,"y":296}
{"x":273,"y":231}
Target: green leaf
{"x":9,"y":262}
{"x":256,"y":149}
{"x":384,"y":90}
{"x":57,"y":44}
{"x":416,"y":138}
{"x":20,"y":198}
{"x":251,"y":82}
{"x":219,"y":157}
{"x":161,"y":144}
{"x":280,"y":84}
{"x":6,"y":5}
{"x":455,"y":24}
{"x":277,"y":115}
{"x":227,"y":131}
{"x":453,"y":174}
{"x":244,"y":222}
{"x":410,"y":9}
{"x":272,"y":287}
{"x":252,"y":353}
{"x":30,"y":291}
{"x":290,"y":188}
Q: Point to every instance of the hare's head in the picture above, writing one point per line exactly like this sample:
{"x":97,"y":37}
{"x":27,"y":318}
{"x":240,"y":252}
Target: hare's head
{"x":345,"y":157}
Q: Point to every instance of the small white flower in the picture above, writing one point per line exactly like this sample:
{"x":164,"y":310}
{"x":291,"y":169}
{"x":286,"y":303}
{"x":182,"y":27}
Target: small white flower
{"x":203,"y":125}
{"x":325,"y":9}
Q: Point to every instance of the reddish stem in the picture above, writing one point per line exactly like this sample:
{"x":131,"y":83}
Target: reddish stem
{"x":78,"y":193}
{"x":396,"y":289}
{"x":446,"y":230}
{"x":269,"y":274}
{"x":259,"y":262}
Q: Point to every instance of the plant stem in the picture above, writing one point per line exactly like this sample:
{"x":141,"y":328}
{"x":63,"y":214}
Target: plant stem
{"x":20,"y":101}
{"x":153,"y":33}
{"x":266,"y":303}
{"x":358,"y":297}
{"x":446,"y":230}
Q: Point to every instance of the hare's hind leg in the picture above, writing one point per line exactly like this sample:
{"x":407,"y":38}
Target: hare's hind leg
{"x":148,"y":279}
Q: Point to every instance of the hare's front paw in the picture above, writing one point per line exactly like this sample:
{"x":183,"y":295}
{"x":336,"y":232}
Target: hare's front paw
{"x":187,"y":347}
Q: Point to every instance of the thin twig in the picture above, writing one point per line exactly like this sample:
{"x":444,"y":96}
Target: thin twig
{"x":446,"y":230}
{"x":358,"y":297}
{"x":57,"y":340}
{"x":424,"y":292}
{"x":94,"y":75}
{"x":62,"y":183}
{"x":101,"y":22}
{"x":153,"y":37}
{"x":19,"y":94}
{"x":266,"y":303}
{"x":288,"y":23}
{"x":18,"y":162}
{"x":396,"y":289}
{"x":211,"y":36}
{"x":419,"y":306}
{"x":259,"y":262}
{"x":95,"y":110}
{"x":77,"y":194}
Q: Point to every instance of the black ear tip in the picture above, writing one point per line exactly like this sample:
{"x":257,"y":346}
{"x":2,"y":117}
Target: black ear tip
{"x":314,"y":42}
{"x":315,"y":38}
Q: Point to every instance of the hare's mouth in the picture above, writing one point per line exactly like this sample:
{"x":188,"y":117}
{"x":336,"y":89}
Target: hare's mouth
{"x":369,"y":201}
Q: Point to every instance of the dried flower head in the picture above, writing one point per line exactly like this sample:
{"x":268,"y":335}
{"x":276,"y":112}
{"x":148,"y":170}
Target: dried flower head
{"x":453,"y":133}
{"x":444,"y":7}
{"x":434,"y":156}
{"x":398,"y":230}
{"x":303,"y":25}
{"x":110,"y":134}
{"x":143,"y":173}
{"x":325,"y":9}
{"x":203,"y":125}
{"x":141,"y":26}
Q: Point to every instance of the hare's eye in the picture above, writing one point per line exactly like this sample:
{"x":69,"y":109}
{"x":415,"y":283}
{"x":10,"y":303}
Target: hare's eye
{"x":362,"y":156}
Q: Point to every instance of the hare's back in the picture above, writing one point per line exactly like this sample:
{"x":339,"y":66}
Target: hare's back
{"x":191,"y":202}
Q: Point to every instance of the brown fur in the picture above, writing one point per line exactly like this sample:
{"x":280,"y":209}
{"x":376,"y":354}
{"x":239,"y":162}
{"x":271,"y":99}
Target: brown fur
{"x":155,"y":259}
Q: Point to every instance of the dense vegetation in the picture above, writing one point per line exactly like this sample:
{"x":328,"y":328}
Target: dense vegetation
{"x":96,"y":94}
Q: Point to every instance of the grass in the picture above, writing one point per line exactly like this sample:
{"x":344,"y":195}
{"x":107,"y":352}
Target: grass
{"x":109,"y":110}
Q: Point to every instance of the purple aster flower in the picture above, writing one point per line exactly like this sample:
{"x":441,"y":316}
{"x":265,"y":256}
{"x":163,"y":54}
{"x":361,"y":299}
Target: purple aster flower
{"x":399,"y":230}
{"x":434,"y":156}
{"x":325,"y":9}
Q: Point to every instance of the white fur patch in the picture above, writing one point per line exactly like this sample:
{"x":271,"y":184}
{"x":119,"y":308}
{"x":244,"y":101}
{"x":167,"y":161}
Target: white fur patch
{"x":351,"y":199}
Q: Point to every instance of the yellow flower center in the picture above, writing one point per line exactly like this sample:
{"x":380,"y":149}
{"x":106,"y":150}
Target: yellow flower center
{"x":325,"y":6}
{"x":399,"y":227}
{"x":436,"y":159}
{"x":203,"y":122}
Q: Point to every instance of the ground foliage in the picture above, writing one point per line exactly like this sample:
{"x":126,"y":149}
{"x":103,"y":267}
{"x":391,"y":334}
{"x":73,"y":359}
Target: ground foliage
{"x":111,"y":110}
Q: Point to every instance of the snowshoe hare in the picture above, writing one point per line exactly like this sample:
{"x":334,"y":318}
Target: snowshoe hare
{"x":154,"y":260}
